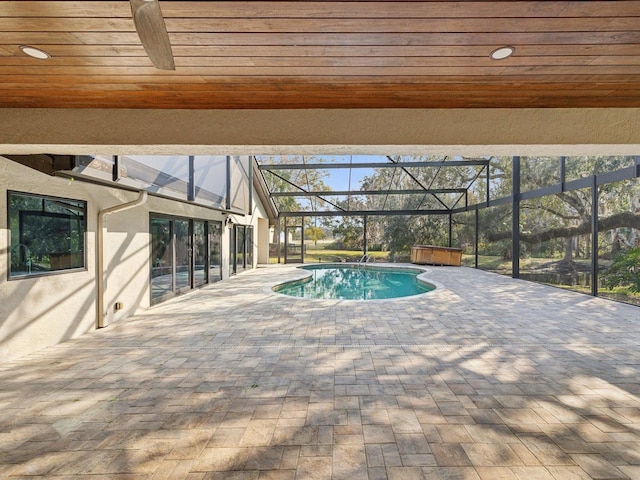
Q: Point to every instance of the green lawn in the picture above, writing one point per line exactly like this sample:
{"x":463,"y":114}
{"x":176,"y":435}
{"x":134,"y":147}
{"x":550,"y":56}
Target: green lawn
{"x":325,"y":255}
{"x":319,"y":255}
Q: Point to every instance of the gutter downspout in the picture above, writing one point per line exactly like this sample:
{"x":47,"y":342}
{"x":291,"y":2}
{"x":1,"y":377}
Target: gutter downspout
{"x":101,"y":314}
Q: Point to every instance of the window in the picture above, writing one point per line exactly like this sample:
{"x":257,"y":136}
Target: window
{"x":47,"y":234}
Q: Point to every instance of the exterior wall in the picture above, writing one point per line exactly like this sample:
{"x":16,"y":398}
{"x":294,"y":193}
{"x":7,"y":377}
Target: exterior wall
{"x":41,"y":311}
{"x":261,"y":253}
{"x":127,"y":250}
{"x":263,"y":241}
{"x":260,"y":240}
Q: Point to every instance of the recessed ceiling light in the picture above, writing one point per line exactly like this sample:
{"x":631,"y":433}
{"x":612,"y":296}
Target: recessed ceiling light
{"x":34,"y":52}
{"x":502,"y":53}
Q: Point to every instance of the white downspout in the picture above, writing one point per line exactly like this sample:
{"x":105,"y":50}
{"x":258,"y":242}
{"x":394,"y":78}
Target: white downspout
{"x":101,"y":320}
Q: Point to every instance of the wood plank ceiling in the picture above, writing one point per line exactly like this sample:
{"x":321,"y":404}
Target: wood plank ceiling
{"x":325,"y":54}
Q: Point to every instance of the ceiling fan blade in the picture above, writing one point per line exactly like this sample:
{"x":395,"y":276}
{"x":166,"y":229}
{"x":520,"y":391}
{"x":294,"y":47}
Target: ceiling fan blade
{"x":147,"y":17}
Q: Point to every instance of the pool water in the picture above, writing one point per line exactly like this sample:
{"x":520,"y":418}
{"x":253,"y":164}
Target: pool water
{"x":352,"y":282}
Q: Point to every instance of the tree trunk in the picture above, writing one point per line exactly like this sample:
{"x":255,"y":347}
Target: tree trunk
{"x":624,"y":219}
{"x":568,"y":250}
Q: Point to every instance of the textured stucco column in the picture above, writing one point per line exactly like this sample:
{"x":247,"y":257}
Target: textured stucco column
{"x":391,"y":131}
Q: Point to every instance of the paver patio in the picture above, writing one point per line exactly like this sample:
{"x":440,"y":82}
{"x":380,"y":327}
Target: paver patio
{"x":488,"y":378}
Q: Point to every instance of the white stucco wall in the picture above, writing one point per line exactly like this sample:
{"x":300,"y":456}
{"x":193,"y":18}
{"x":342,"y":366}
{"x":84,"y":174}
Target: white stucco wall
{"x":260,"y":237}
{"x":263,"y":241}
{"x":41,"y":311}
{"x":259,"y":212}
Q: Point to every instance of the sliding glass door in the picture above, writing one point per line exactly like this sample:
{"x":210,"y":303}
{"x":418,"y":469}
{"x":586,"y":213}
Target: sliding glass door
{"x":240,"y":249}
{"x":248,"y":246}
{"x":215,"y":251}
{"x":161,"y":257}
{"x":199,"y":242}
{"x":241,"y":244}
{"x":185,"y":254}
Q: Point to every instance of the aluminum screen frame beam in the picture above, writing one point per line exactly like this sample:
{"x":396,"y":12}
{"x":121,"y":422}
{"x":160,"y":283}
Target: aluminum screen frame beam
{"x":323,"y":166}
{"x":361,"y":213}
{"x":332,"y":193}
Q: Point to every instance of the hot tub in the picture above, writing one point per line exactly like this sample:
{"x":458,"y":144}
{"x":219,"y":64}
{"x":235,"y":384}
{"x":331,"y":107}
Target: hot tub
{"x":432,"y":255}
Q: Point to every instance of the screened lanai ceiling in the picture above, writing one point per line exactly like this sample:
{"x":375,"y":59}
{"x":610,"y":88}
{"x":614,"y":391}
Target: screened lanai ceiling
{"x":372,"y":185}
{"x":324,"y":54}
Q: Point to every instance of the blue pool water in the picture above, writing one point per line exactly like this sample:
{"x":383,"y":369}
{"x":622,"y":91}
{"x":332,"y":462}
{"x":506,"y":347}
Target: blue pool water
{"x":351,"y":282}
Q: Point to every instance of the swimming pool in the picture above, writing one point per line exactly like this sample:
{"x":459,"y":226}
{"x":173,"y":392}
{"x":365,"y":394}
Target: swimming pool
{"x":356,"y":282}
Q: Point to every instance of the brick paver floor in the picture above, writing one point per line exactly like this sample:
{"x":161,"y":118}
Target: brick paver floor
{"x":485,"y":378}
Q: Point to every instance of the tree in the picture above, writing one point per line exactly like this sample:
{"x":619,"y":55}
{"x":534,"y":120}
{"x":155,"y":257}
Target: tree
{"x":624,"y":271}
{"x":314,"y":234}
{"x":295,"y":181}
{"x":618,"y":220}
{"x":400,"y":233}
{"x":562,"y":222}
{"x":349,"y":231}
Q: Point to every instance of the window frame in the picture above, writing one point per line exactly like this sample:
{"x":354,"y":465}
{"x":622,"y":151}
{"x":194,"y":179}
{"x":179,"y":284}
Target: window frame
{"x":83,"y":268}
